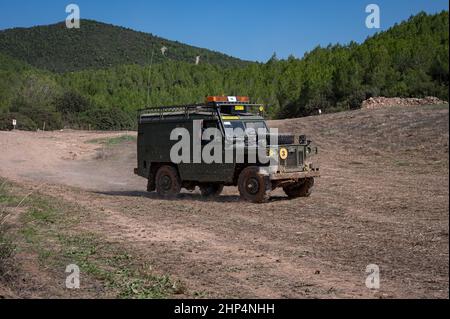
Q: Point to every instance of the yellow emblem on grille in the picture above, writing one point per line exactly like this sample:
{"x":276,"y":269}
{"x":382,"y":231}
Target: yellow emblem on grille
{"x":283,"y":153}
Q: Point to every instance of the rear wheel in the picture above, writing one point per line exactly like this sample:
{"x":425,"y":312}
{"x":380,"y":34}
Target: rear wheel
{"x":211,"y":190}
{"x":302,"y":188}
{"x":168,"y":183}
{"x":151,"y":186}
{"x":253,"y":186}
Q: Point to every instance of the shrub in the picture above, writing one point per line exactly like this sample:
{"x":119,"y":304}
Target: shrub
{"x":71,"y":102}
{"x":23,"y":122}
{"x":109,"y":119}
{"x":30,"y":117}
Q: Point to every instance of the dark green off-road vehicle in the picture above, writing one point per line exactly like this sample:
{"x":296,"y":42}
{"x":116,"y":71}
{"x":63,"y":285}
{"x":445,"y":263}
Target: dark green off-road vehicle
{"x":288,"y":163}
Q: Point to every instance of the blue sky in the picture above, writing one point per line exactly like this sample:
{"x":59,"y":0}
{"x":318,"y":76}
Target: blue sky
{"x":248,"y":29}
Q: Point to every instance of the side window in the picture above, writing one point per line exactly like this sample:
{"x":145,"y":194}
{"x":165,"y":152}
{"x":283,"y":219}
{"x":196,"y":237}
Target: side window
{"x":212,"y":125}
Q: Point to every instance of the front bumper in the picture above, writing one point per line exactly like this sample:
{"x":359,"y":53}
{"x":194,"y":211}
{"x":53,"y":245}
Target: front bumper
{"x":294,"y":175}
{"x":274,"y":174}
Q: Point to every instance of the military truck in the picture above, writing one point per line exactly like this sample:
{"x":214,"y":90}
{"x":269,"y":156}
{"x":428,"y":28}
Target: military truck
{"x":290,"y":167}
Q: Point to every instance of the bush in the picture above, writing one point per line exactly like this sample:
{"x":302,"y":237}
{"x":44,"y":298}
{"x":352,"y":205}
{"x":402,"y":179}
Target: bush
{"x":23,"y":122}
{"x":33,"y":117}
{"x":356,"y":98}
{"x":34,"y":121}
{"x":70,"y":103}
{"x":109,"y":119}
{"x":50,"y":119}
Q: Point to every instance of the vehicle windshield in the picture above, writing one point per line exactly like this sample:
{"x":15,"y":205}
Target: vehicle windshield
{"x":255,"y":126}
{"x":234,"y":125}
{"x":238,"y":128}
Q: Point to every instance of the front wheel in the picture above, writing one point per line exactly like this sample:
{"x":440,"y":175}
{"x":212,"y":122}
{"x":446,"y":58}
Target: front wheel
{"x":253,"y":186}
{"x":168,"y":183}
{"x":302,"y":188}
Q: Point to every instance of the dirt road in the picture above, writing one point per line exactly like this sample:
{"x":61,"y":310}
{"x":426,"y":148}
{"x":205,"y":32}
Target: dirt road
{"x":383,"y":199}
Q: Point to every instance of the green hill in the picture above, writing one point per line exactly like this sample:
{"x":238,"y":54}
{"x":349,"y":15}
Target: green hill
{"x":408,"y":60}
{"x":98,"y":45}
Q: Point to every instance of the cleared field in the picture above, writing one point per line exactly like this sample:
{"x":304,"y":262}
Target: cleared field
{"x":383,"y":199}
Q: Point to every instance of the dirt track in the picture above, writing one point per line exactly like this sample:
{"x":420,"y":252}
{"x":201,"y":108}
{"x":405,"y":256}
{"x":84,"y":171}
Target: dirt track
{"x":383,"y":199}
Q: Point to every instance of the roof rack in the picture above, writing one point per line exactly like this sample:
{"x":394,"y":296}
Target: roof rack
{"x":212,"y":108}
{"x":185,"y":110}
{"x":218,"y":104}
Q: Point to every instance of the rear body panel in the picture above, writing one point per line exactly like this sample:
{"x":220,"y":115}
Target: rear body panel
{"x":154,"y":146}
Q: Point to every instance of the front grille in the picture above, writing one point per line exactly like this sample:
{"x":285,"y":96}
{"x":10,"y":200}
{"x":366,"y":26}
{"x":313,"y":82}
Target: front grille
{"x":301,"y":158}
{"x":291,"y":160}
{"x":295,"y":159}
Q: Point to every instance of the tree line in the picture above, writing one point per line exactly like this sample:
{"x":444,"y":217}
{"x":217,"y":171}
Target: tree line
{"x":408,"y":60}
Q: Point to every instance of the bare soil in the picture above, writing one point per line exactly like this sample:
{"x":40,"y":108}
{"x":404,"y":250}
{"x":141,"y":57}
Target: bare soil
{"x":382,"y":199}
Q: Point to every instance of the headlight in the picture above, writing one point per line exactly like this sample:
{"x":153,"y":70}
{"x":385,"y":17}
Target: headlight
{"x":283,"y":153}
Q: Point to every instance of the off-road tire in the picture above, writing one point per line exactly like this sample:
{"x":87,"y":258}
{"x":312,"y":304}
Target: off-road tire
{"x":253,"y":186}
{"x":211,"y":190}
{"x":151,"y":185}
{"x":168,"y":183}
{"x":300,"y":189}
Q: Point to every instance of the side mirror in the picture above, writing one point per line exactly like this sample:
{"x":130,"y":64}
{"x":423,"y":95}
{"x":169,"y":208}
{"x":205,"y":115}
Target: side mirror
{"x":302,"y":139}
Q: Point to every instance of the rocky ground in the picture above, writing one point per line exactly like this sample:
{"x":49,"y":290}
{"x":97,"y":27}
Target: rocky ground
{"x":380,"y":102}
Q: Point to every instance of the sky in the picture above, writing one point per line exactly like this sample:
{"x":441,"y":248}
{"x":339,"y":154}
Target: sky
{"x":247,"y":29}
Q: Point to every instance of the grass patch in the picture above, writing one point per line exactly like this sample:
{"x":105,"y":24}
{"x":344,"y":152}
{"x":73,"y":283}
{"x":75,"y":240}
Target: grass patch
{"x":7,"y":199}
{"x":47,"y":229}
{"x":116,"y":269}
{"x":7,"y":248}
{"x":111,"y":141}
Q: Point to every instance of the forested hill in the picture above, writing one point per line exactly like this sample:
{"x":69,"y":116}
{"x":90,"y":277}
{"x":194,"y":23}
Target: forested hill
{"x":408,"y":60}
{"x":98,"y":45}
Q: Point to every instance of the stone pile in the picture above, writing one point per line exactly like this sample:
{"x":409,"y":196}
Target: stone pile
{"x":379,"y":102}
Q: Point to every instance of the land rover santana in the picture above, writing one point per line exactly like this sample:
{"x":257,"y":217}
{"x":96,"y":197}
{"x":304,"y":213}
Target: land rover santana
{"x":222,"y":142}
